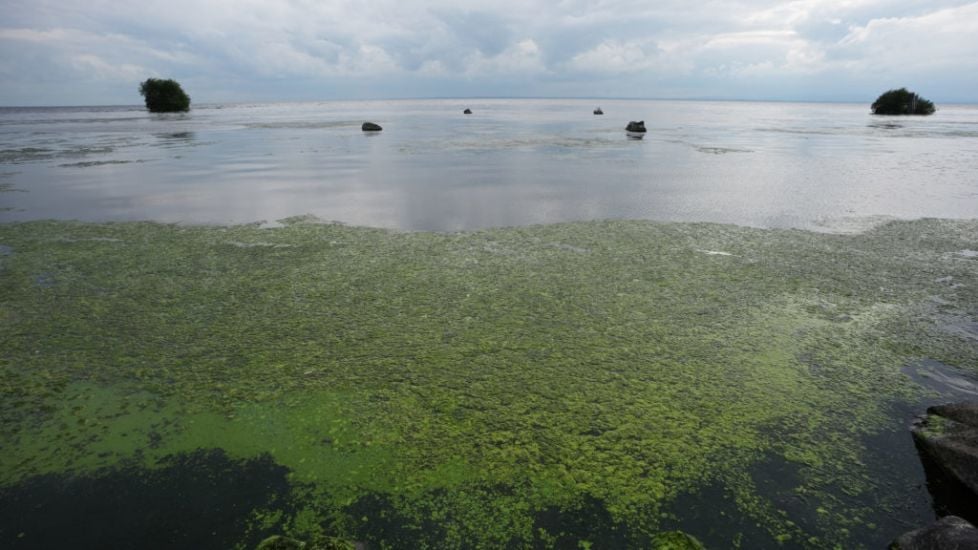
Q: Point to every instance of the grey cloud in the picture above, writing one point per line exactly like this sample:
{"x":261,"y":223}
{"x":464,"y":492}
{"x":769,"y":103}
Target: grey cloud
{"x":488,"y":33}
{"x":305,"y":49}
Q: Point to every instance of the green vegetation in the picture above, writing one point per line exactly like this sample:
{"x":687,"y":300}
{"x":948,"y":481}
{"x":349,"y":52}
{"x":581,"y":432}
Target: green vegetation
{"x":164,"y":96}
{"x":278,"y":542}
{"x":902,"y":102}
{"x":554,"y":386}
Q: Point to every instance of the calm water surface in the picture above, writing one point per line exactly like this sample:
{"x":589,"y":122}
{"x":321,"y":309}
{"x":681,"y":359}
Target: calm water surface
{"x":512,"y":162}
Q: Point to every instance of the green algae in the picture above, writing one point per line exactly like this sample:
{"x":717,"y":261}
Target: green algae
{"x":464,"y":384}
{"x":675,"y":540}
{"x":277,"y":542}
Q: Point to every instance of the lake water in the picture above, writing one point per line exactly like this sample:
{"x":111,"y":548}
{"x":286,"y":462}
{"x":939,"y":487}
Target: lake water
{"x":829,"y":167}
{"x":783,"y":373}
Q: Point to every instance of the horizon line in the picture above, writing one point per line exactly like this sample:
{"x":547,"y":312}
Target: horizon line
{"x":477,"y":98}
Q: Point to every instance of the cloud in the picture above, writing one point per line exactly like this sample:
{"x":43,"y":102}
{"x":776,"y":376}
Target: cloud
{"x":520,"y":59}
{"x":614,"y":56}
{"x":100,"y":68}
{"x":570,"y":47}
{"x":488,"y":33}
{"x":944,"y":39}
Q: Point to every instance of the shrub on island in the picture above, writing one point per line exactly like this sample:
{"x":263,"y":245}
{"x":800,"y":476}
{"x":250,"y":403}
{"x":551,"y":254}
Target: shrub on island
{"x":902,"y":102}
{"x":164,"y":96}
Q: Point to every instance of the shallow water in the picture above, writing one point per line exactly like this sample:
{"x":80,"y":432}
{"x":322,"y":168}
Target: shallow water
{"x":512,"y":162}
{"x":568,"y":383}
{"x":548,"y":385}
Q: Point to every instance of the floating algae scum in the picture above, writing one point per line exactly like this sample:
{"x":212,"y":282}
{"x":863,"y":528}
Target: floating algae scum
{"x":575,"y":385}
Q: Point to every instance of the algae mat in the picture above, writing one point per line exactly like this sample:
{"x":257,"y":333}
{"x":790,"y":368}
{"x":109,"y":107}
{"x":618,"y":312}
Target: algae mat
{"x":577,"y":385}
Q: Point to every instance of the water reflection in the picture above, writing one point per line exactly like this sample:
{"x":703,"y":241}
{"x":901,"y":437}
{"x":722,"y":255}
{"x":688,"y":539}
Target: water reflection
{"x":177,"y":136}
{"x":885,"y":125}
{"x":513,"y":162}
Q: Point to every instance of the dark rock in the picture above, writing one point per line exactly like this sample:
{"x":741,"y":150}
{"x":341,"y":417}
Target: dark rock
{"x":947,"y":442}
{"x":950,"y":533}
{"x":965,"y":413}
{"x":598,"y":111}
{"x":467,"y":112}
{"x":371,"y":127}
{"x":637,"y":127}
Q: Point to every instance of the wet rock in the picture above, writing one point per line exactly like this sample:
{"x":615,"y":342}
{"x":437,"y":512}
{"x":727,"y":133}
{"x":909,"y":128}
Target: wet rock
{"x":598,"y":111}
{"x":636,"y":127}
{"x":949,"y":533}
{"x":947,"y":441}
{"x":964,"y":413}
{"x":467,"y":112}
{"x":371,"y":127}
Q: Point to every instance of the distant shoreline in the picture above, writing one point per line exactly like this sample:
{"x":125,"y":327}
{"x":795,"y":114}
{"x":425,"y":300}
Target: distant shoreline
{"x":205,"y":104}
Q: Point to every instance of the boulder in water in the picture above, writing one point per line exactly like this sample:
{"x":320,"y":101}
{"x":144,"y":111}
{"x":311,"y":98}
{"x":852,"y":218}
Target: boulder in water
{"x":949,"y":532}
{"x":598,"y":111}
{"x":947,"y":441}
{"x":467,"y":112}
{"x":371,"y":127}
{"x":636,"y":127}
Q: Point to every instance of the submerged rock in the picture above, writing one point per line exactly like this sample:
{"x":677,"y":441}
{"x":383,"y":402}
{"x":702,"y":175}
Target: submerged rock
{"x":950,"y":532}
{"x":371,"y":127}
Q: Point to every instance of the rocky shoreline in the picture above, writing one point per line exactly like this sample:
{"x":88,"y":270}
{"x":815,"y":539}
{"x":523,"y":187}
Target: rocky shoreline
{"x":946,"y":438}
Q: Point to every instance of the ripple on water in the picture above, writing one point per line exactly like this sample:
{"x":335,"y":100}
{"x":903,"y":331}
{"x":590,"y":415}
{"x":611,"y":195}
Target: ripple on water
{"x":303,"y":124}
{"x":947,"y":380}
{"x":721,"y":150}
{"x":25,"y":154}
{"x":90,"y":163}
{"x":958,"y":325}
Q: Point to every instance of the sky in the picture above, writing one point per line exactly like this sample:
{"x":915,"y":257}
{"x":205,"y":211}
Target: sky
{"x":95,"y":52}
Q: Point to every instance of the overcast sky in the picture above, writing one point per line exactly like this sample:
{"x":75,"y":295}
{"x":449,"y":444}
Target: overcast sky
{"x":67,"y":52}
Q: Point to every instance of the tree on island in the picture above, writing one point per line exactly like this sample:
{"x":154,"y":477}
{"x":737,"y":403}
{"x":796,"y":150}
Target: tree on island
{"x":164,"y":96}
{"x":902,"y":102}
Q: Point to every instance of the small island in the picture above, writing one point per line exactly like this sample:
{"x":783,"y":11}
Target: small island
{"x":902,"y":102}
{"x":164,"y":96}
